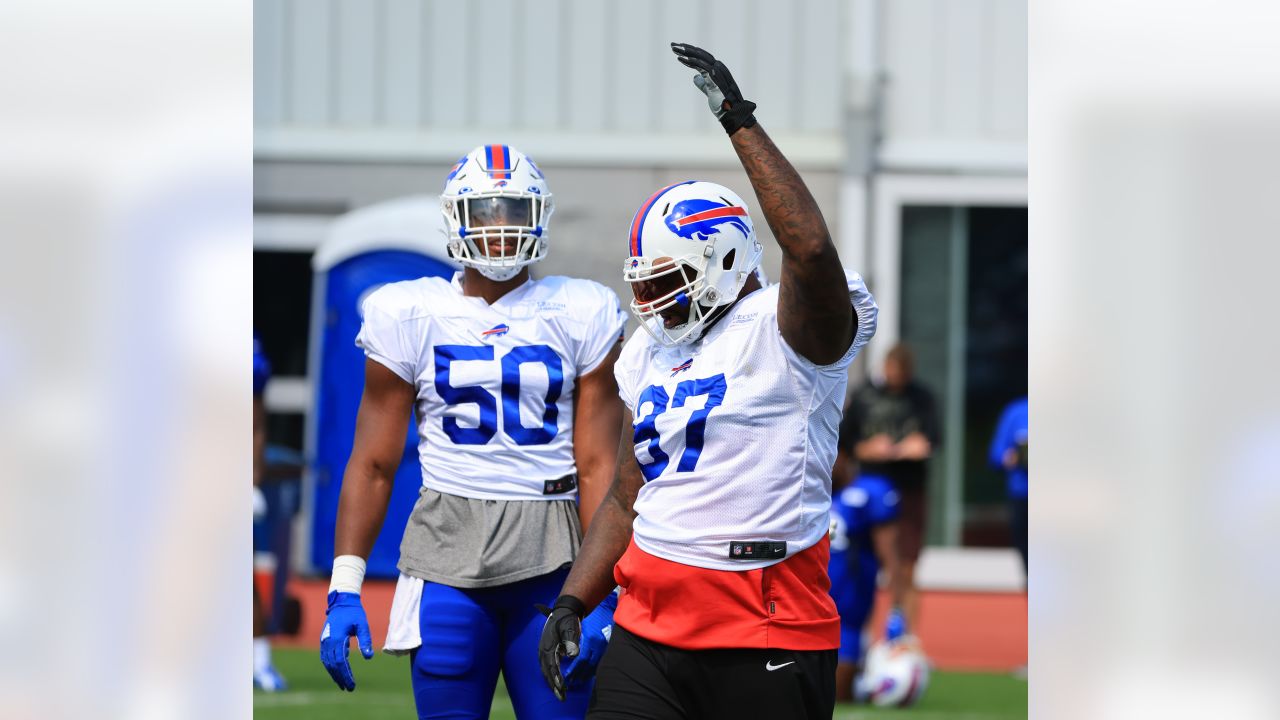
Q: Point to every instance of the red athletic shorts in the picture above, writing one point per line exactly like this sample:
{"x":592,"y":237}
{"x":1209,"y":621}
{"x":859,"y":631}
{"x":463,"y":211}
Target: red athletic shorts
{"x":785,"y":606}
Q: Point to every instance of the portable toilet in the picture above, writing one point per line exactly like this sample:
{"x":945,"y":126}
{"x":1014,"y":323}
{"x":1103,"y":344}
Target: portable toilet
{"x":400,"y":239}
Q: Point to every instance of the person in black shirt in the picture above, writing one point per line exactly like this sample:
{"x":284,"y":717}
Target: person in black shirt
{"x":892,"y":430}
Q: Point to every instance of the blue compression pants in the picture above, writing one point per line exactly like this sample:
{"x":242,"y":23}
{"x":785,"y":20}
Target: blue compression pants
{"x":469,"y":635}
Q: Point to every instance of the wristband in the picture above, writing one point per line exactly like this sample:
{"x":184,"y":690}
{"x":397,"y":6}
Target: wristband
{"x":741,"y":115}
{"x":570,"y":603}
{"x":348,"y":574}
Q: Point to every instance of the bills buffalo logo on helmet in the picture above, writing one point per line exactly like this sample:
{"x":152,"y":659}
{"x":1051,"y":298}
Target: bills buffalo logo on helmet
{"x":454,"y":171}
{"x":699,"y":219}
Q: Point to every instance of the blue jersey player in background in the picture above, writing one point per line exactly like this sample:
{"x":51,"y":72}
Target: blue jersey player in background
{"x":864,"y":515}
{"x":1009,"y":453}
{"x":265,"y":676}
{"x":518,"y":422}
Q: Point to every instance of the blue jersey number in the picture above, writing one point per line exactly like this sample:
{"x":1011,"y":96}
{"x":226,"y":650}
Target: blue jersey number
{"x":695,"y":430}
{"x":488,"y":404}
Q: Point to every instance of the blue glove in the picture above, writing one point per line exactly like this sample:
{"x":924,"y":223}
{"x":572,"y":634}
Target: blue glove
{"x":896,"y":626}
{"x":346,"y":618}
{"x":596,"y":629}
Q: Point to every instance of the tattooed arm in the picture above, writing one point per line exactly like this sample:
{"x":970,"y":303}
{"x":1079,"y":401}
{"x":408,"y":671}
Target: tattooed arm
{"x":814,"y":312}
{"x":591,"y":577}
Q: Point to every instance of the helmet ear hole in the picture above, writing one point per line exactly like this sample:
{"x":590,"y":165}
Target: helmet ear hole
{"x":728,"y":258}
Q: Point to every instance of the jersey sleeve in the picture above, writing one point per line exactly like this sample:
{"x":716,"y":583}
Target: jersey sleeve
{"x":864,"y":306}
{"x":623,"y":373}
{"x":604,"y":330}
{"x":382,"y":337}
{"x":882,"y":500}
{"x":1003,"y":439}
{"x":261,"y":367}
{"x":866,"y":312}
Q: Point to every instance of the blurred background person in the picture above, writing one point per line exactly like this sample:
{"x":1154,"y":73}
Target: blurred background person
{"x":864,"y":538}
{"x":265,"y":676}
{"x":892,"y":428}
{"x":1009,"y":454}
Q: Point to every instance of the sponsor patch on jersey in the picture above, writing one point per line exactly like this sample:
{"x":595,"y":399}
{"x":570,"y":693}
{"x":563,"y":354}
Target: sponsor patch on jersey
{"x":743,"y":319}
{"x":682,"y":367}
{"x":496,"y":330}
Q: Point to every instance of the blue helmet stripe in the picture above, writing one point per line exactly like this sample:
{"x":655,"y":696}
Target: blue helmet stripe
{"x":637,"y":225}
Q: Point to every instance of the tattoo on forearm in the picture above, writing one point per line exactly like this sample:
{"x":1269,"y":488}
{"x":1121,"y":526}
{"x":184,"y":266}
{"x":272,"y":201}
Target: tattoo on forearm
{"x":788,"y":207}
{"x":814,"y":309}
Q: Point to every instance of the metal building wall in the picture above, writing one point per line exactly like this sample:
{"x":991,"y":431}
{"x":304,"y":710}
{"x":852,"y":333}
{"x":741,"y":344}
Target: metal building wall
{"x":417,"y":79}
{"x":955,"y":85}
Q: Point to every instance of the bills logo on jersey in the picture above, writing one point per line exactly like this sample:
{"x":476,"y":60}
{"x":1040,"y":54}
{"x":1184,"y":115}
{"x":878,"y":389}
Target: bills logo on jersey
{"x":682,"y":367}
{"x":496,"y":331}
{"x":698,"y":219}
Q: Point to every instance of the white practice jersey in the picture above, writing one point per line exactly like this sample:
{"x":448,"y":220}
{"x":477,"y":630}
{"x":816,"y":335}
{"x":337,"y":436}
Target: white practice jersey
{"x":736,"y":435}
{"x":495,"y":383}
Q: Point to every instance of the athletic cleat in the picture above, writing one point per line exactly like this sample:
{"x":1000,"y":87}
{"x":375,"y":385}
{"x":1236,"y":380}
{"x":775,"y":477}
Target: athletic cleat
{"x":268,"y":680}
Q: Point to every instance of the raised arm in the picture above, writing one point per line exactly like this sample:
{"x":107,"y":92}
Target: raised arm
{"x":815,"y":315}
{"x":597,"y":417}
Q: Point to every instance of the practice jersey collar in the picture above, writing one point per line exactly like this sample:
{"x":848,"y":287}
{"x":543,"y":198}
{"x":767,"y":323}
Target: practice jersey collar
{"x":503,"y":301}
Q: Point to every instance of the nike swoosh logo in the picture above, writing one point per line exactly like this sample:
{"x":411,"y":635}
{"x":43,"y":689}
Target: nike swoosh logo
{"x":771,"y":667}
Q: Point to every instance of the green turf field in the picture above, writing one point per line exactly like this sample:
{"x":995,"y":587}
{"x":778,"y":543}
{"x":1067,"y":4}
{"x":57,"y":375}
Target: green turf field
{"x":382,"y":691}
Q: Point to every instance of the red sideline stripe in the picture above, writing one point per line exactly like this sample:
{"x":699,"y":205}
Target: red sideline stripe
{"x":709,"y":214}
{"x":638,"y":221}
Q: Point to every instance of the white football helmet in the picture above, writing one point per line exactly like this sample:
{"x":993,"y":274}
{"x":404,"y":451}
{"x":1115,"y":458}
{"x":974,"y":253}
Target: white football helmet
{"x":702,"y":231}
{"x":896,"y":673}
{"x":497,"y":206}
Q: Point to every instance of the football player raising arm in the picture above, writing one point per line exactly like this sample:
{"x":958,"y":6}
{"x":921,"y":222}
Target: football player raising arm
{"x":707,"y":481}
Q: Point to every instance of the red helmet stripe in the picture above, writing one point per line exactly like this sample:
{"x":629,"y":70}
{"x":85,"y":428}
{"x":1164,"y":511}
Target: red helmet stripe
{"x":498,"y":161}
{"x":637,"y":223}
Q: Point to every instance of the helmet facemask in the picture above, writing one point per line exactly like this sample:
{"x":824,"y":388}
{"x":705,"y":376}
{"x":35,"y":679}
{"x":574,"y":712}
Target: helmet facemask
{"x":683,"y":283}
{"x":498,"y":233}
{"x":497,"y":205}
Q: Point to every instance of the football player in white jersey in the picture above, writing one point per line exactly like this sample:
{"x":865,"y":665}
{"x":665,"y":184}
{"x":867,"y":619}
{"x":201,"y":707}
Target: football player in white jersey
{"x":512,"y":382}
{"x":716,"y":530}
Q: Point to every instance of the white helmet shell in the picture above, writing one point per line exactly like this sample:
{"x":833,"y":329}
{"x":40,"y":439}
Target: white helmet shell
{"x":497,"y":206}
{"x":896,"y":673}
{"x":703,"y":231}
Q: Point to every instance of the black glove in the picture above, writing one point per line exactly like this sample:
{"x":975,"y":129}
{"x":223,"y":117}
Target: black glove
{"x":561,"y":636}
{"x":722,"y":92}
